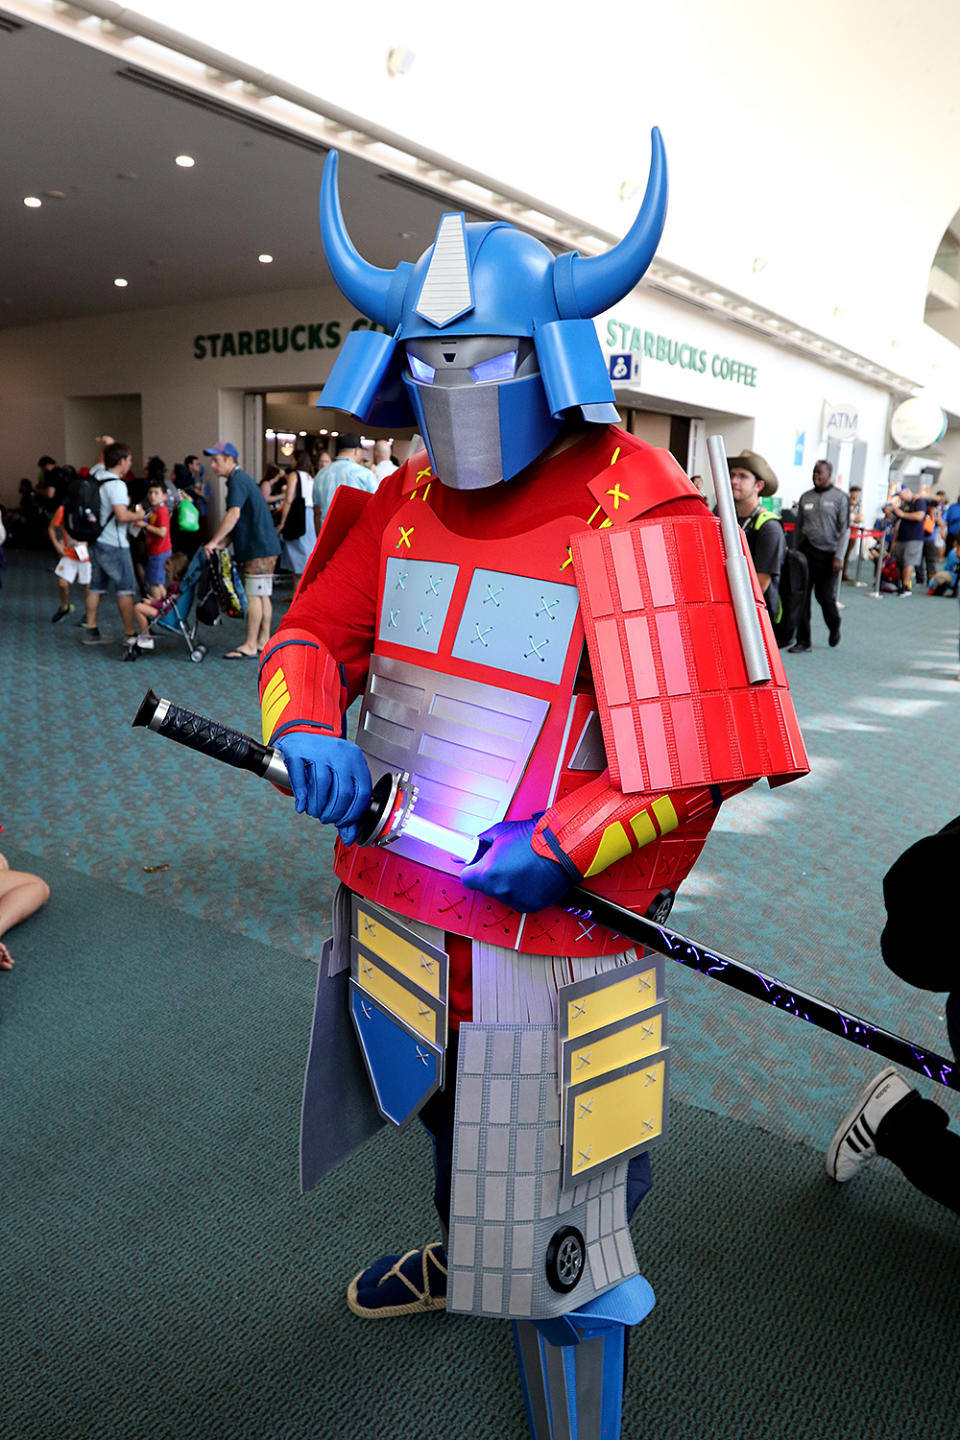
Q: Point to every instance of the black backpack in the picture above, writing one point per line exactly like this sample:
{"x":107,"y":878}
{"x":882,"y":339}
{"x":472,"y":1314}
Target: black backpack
{"x":793,"y":585}
{"x":81,"y":510}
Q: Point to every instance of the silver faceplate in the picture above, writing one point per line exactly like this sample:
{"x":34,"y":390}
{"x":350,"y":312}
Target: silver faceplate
{"x":465,"y":745}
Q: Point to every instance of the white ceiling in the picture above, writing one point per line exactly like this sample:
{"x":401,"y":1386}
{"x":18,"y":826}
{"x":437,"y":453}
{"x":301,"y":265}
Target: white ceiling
{"x":83,"y":122}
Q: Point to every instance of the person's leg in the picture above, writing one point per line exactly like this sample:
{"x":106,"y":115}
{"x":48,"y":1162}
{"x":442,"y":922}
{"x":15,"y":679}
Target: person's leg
{"x":63,"y":590}
{"x":417,"y":1281}
{"x":846,"y":559}
{"x":824,"y":584}
{"x":263,"y":634}
{"x":254,"y":622}
{"x":803,"y":620}
{"x":125,"y":606}
{"x":914,"y":1135}
{"x":126,"y":593}
{"x":20,"y":895}
{"x":96,"y":587}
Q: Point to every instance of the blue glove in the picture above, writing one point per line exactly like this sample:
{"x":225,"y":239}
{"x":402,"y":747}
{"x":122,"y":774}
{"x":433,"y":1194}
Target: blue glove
{"x":329,"y":778}
{"x":510,"y":870}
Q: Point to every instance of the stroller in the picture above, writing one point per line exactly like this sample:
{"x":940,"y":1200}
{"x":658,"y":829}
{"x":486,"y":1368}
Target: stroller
{"x":214,"y":588}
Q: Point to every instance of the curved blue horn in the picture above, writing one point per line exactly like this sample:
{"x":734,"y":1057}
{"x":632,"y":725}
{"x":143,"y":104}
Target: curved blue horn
{"x":599,"y":281}
{"x":365,"y":286}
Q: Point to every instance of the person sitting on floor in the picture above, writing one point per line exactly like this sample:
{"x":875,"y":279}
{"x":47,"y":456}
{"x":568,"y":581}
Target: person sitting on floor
{"x":20,"y":895}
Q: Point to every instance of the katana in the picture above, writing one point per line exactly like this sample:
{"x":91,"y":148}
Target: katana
{"x":391,"y":813}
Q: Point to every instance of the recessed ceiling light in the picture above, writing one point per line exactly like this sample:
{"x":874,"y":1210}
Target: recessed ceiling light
{"x":120,"y":283}
{"x":186,"y":162}
{"x":32,"y":202}
{"x":265,"y":259}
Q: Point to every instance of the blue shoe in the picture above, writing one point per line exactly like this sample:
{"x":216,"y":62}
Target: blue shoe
{"x":408,"y":1284}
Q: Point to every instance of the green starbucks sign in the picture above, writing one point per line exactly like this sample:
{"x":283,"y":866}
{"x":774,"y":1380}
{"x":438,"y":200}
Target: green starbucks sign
{"x":622,"y":337}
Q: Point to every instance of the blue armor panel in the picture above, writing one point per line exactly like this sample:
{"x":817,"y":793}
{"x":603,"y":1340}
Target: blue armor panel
{"x":516,"y":624}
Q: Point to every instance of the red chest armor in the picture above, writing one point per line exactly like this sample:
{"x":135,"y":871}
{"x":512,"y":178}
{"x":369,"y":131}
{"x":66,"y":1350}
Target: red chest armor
{"x":473,"y":688}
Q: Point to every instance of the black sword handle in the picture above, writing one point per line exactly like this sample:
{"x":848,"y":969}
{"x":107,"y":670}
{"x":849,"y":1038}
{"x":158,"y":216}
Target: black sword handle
{"x":222,"y":742}
{"x":753,"y":982}
{"x":208,"y":737}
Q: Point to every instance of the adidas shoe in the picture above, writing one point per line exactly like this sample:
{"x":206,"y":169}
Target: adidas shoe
{"x":145,"y":642}
{"x":854,"y":1144}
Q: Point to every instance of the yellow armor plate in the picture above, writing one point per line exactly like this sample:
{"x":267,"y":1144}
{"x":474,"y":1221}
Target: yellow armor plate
{"x":614,"y":1001}
{"x":601,"y":1054}
{"x":420,"y":968}
{"x":403,"y":1003}
{"x":617,"y":1116}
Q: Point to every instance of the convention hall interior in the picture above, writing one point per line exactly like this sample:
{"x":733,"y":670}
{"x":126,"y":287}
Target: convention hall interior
{"x":176,"y":1258}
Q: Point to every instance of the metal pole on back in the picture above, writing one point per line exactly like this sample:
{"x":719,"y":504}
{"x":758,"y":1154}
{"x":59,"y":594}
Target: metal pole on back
{"x":738,"y":571}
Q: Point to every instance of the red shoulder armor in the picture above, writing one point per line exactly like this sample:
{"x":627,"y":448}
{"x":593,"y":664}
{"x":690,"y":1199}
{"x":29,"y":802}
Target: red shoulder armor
{"x":300,"y":684}
{"x":675,"y":703}
{"x":635,"y":483}
{"x":345,"y":510}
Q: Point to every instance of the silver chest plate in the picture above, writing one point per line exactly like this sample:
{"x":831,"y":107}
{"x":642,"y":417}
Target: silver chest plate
{"x":465,"y":744}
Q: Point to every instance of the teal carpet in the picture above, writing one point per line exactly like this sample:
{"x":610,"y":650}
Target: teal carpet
{"x":160,"y":1276}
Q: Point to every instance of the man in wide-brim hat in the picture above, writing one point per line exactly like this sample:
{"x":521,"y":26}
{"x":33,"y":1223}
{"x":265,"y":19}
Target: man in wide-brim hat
{"x":752,"y":480}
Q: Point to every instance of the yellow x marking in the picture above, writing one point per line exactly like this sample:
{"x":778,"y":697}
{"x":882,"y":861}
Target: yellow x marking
{"x":424,"y":474}
{"x":404,"y":536}
{"x":618,"y":495}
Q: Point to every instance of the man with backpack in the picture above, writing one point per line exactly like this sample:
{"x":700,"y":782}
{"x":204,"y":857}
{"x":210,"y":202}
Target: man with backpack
{"x":752,"y":480}
{"x":110,"y":550}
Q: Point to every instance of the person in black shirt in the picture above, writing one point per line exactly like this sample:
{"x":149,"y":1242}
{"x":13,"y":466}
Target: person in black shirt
{"x":823,"y":529}
{"x":753,"y":480}
{"x":908,"y":548}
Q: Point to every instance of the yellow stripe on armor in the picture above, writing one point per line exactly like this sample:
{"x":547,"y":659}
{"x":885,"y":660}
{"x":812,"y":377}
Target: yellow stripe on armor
{"x":665,"y":813}
{"x":612,"y":1002}
{"x":614,"y":844}
{"x":614,"y":1117}
{"x":400,"y":1002}
{"x":276,"y":698}
{"x":643,"y":827}
{"x":636,"y":1042}
{"x":422,"y":969}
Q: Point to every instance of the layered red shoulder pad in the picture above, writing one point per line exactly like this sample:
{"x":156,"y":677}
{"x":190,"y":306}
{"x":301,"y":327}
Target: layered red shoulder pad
{"x":675,"y":703}
{"x":344,"y":511}
{"x":300,"y":686}
{"x":637,"y":482}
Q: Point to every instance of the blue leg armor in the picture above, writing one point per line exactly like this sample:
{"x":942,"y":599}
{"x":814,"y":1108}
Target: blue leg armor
{"x":572,"y":1367}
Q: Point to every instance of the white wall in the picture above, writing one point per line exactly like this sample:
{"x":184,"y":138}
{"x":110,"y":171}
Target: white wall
{"x":186,"y":403}
{"x":814,"y":138}
{"x":784,"y":400}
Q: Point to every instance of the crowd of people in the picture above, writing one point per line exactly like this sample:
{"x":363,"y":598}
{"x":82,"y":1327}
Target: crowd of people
{"x":142,"y":530}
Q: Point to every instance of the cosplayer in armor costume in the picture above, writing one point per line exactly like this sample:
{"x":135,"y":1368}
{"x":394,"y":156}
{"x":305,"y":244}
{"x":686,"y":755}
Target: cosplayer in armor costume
{"x":536,"y":614}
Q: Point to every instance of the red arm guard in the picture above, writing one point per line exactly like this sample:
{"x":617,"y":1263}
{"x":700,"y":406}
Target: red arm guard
{"x":597,"y":824}
{"x":300,"y":687}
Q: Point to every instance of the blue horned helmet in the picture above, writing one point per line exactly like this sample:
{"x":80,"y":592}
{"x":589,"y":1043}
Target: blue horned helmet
{"x":490,"y":340}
